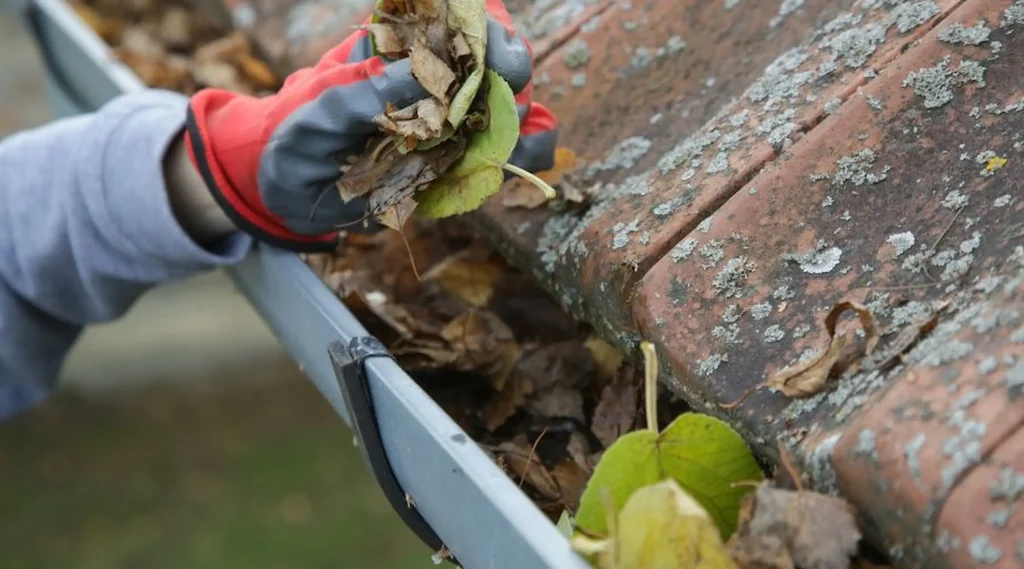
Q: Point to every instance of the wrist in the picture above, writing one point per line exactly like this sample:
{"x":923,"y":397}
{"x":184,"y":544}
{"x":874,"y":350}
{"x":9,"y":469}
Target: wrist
{"x":195,"y":208}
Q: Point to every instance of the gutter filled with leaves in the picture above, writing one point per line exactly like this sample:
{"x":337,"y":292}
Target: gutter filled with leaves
{"x":559,"y":409}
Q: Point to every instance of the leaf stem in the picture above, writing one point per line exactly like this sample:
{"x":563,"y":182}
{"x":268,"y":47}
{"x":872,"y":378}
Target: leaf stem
{"x":650,"y":385}
{"x":543,"y":186}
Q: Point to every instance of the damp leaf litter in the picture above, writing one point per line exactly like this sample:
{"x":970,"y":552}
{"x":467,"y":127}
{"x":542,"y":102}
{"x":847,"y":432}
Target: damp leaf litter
{"x":446,"y":154}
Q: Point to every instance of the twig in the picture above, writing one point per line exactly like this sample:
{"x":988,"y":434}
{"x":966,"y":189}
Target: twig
{"x":786,"y":462}
{"x":543,"y":186}
{"x":529,"y":459}
{"x":650,"y":385}
{"x":931,"y":250}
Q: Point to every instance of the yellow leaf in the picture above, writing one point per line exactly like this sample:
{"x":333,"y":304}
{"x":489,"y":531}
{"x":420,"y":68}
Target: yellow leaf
{"x":660,"y":527}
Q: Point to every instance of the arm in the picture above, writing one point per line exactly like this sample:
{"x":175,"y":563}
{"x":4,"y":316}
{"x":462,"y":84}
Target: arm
{"x":89,"y":220}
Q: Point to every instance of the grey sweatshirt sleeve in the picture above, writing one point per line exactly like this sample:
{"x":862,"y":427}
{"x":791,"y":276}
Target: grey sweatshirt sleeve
{"x":86,"y":227}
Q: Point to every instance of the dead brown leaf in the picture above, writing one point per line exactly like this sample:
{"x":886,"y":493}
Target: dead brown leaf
{"x":616,"y":411}
{"x":565,"y":162}
{"x":431,"y":72}
{"x":521,"y":193}
{"x":810,"y":377}
{"x":904,"y":341}
{"x":388,"y":39}
{"x":473,"y":280}
{"x":402,"y":175}
{"x":571,"y":480}
{"x":579,"y":451}
{"x":523,"y":465}
{"x":499,"y":409}
{"x":783,"y":529}
{"x":557,"y":402}
{"x":566,"y":363}
{"x":607,"y":358}
{"x":385,"y":320}
{"x":176,"y":28}
{"x":483,"y":343}
{"x":398,"y":214}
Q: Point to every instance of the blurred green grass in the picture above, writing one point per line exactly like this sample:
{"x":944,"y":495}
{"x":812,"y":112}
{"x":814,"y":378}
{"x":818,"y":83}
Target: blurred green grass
{"x":258,"y":475}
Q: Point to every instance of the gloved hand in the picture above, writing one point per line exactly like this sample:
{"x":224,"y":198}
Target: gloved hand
{"x":267,"y":161}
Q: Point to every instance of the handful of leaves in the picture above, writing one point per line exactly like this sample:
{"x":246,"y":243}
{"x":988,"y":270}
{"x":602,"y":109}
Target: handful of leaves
{"x":442,"y":155}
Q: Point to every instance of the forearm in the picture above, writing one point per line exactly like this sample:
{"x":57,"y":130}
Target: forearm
{"x":94,"y":211}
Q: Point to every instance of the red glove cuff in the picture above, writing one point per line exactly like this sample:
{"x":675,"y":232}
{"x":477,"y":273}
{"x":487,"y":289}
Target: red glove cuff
{"x":229,"y":165}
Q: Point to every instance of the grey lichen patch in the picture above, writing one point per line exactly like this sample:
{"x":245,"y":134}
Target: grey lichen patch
{"x":833,"y":105}
{"x":577,"y":54}
{"x":953,"y":351}
{"x":867,"y":444}
{"x":819,"y":465}
{"x":730,"y":334}
{"x":730,"y":281}
{"x":1013,"y":15}
{"x":1006,"y":487}
{"x":947,"y":542}
{"x":901,"y":242}
{"x":779,"y":82}
{"x":622,"y":233}
{"x":666,"y":209}
{"x":786,"y":8}
{"x":1003,"y":201}
{"x":855,"y":169}
{"x":999,"y":517}
{"x":963,"y":451}
{"x":642,"y":58}
{"x":774,"y":333}
{"x":730,"y":4}
{"x":714,"y":252}
{"x":705,"y":225}
{"x":711,"y":364}
{"x":982,"y":550}
{"x":626,"y":153}
{"x":960,"y":34}
{"x":784,"y":292}
{"x":687,"y":150}
{"x":1014,"y":380}
{"x":987,"y":365}
{"x":683,"y":249}
{"x":855,"y":46}
{"x":675,"y":45}
{"x":909,"y":15}
{"x":578,"y":80}
{"x":935,"y":84}
{"x":955,"y":199}
{"x":911,"y":451}
{"x":761,"y":311}
{"x":719,"y":163}
{"x":818,"y":262}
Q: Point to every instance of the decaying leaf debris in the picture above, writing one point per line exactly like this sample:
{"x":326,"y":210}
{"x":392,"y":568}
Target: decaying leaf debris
{"x":169,"y":45}
{"x":441,"y":155}
{"x":536,"y":389}
{"x":794,"y":529}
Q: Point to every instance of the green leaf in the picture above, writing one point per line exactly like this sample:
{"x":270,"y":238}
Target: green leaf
{"x":704,"y":455}
{"x":469,"y":17}
{"x":478,"y":174}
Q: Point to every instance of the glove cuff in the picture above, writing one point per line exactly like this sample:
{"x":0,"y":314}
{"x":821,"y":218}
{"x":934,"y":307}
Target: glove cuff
{"x":233,"y":181}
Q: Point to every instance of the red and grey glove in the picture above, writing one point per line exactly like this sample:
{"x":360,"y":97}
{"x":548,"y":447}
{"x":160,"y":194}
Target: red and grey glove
{"x":271,"y":162}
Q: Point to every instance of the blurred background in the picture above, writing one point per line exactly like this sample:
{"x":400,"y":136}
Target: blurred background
{"x":182,"y":435}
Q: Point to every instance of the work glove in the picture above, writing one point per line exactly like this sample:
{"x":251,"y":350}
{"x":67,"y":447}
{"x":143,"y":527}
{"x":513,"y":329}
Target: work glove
{"x":271,"y":162}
